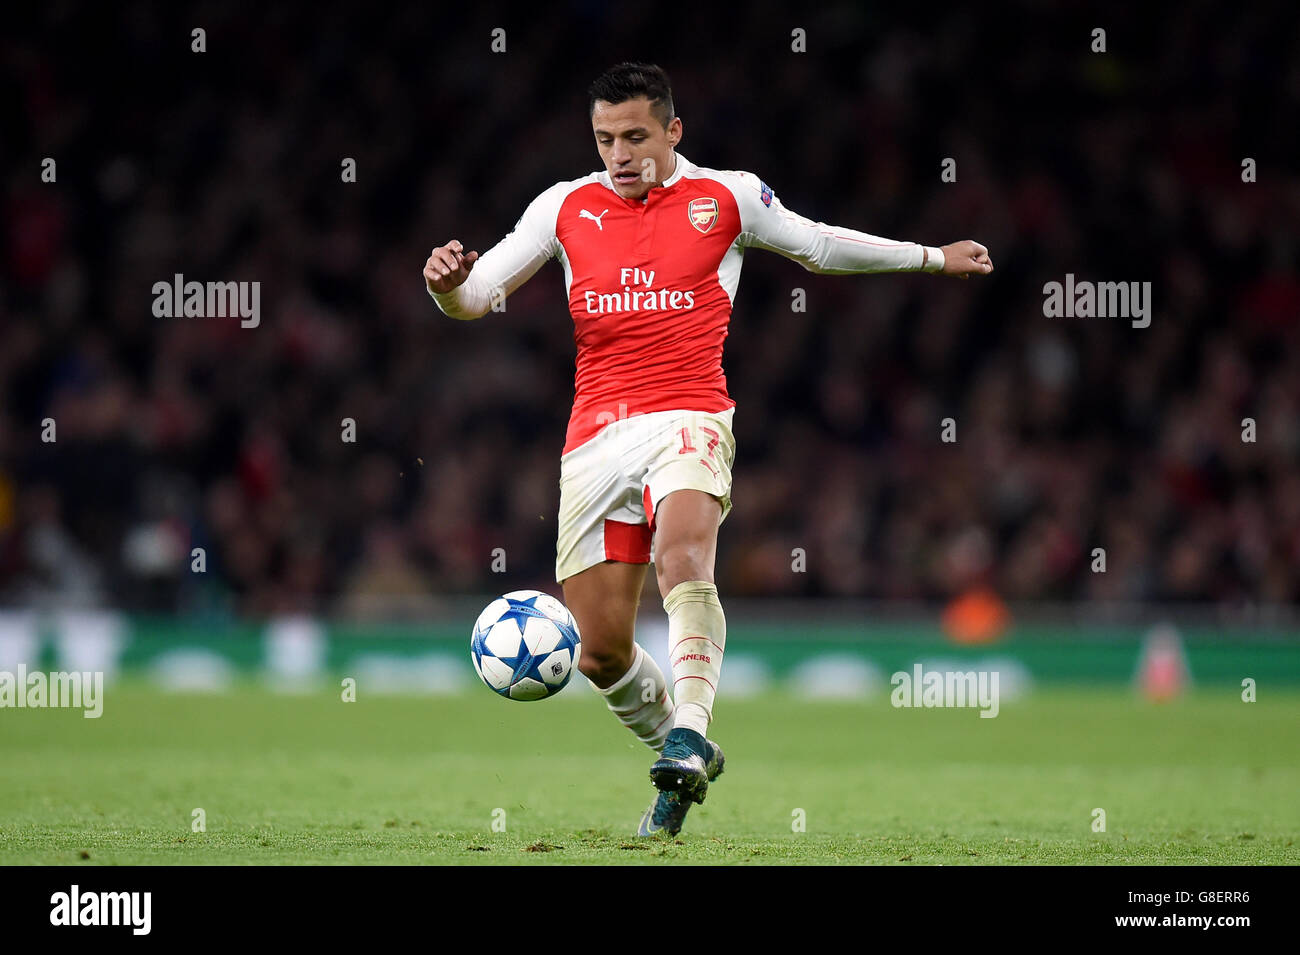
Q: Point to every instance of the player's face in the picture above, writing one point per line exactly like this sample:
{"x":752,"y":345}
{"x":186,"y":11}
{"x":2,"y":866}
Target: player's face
{"x":637,"y":150}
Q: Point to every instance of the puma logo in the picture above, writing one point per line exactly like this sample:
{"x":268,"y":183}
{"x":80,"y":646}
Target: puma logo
{"x":584,"y":214}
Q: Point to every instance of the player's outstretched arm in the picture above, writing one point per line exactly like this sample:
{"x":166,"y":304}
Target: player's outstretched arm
{"x":966,"y":258}
{"x":835,"y":250}
{"x":463,"y":291}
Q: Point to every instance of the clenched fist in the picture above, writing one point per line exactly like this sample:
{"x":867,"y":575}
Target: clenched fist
{"x":966,"y":258}
{"x":448,"y":267}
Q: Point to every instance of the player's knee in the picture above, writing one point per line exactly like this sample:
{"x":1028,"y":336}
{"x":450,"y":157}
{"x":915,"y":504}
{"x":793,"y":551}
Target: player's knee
{"x":687,"y":560}
{"x":604,"y":664}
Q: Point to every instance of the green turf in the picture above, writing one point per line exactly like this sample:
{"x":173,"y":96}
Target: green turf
{"x":311,"y":779}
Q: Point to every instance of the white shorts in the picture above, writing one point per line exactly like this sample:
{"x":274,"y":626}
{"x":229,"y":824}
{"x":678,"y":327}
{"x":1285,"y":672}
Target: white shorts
{"x":611,"y":485}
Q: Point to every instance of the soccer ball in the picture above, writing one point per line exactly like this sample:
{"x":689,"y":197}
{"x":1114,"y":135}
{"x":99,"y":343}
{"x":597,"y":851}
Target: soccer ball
{"x":525,"y":645}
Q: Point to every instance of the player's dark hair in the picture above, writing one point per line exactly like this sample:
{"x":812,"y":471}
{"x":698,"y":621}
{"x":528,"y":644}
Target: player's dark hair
{"x":618,"y":84}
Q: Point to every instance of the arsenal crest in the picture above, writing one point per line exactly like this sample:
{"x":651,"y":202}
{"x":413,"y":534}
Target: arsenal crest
{"x":703,"y":213}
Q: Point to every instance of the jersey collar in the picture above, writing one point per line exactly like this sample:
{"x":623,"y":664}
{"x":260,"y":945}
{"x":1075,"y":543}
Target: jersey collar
{"x":679,"y":169}
{"x":680,"y":163}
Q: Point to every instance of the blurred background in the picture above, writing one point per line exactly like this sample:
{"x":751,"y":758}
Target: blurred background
{"x":1072,"y":434}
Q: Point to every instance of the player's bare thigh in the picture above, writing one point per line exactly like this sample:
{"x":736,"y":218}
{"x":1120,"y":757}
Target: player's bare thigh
{"x":603,"y":599}
{"x":686,"y":537}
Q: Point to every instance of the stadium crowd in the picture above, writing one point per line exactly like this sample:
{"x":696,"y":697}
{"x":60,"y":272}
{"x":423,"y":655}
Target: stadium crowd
{"x":172,"y":434}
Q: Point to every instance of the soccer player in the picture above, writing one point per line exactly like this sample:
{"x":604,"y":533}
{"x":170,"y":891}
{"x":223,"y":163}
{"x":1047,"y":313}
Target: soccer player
{"x":652,"y":247}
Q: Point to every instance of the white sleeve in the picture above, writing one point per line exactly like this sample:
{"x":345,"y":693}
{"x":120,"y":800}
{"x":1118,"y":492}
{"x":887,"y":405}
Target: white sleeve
{"x":511,"y":262}
{"x":818,"y":247}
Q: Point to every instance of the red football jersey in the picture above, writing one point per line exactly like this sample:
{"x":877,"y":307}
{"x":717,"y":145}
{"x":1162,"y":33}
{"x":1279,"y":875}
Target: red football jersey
{"x":651,"y":281}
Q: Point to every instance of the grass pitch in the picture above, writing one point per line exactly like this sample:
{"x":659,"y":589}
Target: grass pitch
{"x":311,"y":779}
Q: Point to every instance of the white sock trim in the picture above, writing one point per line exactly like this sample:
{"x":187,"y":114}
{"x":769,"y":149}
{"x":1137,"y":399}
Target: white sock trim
{"x":692,"y":716}
{"x":626,"y":678}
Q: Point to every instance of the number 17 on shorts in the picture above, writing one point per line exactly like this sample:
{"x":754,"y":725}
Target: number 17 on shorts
{"x":611,"y":484}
